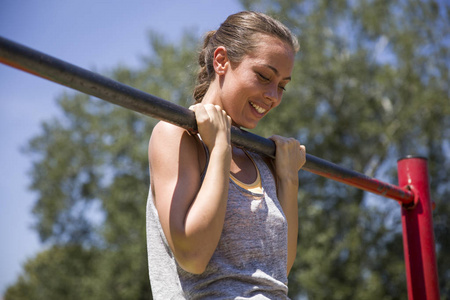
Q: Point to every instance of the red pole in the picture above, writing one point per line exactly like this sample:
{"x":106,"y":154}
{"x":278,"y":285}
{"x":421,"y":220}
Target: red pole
{"x":418,"y":234}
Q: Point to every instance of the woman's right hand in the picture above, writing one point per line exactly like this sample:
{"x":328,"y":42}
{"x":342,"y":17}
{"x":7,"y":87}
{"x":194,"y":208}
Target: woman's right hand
{"x":213,"y":125}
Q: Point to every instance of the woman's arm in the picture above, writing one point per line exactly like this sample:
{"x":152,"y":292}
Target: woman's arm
{"x":191,"y":212}
{"x":290,"y":157}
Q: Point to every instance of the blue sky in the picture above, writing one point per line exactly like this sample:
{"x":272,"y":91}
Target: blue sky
{"x":96,"y":35}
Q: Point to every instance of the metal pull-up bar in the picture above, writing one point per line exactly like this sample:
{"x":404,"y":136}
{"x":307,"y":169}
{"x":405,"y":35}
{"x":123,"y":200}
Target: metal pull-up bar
{"x":40,"y":64}
{"x":408,"y":194}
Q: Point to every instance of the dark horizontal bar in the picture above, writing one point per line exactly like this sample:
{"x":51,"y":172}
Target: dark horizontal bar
{"x":56,"y":70}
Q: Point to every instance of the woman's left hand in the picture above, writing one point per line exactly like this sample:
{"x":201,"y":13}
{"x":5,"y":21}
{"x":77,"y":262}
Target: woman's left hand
{"x":290,"y":157}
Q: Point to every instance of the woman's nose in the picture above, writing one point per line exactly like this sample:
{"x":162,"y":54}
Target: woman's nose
{"x":272,"y":93}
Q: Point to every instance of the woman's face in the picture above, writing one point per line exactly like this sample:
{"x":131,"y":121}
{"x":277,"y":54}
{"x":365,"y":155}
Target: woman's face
{"x":251,"y":88}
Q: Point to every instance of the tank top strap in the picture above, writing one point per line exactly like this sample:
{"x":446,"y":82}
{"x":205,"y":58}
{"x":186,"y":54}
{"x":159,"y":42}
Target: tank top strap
{"x":267,"y":177}
{"x":254,"y":187}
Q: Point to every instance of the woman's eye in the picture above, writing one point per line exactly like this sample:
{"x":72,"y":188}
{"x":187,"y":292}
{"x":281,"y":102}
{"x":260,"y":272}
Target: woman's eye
{"x":267,"y":79}
{"x":263,"y":77}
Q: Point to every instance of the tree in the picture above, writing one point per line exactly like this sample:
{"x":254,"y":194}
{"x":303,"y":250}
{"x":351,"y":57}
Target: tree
{"x":91,"y":175}
{"x":370,"y":85}
{"x":61,"y":272}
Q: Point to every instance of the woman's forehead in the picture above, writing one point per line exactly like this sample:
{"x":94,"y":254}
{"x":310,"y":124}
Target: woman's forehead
{"x":274,"y":53}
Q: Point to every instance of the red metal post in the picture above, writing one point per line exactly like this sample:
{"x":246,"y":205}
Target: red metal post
{"x":418,"y":234}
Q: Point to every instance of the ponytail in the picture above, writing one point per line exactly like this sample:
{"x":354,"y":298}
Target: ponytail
{"x":206,"y":72}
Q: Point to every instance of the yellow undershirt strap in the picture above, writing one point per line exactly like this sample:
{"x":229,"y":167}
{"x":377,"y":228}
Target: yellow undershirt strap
{"x":255,"y":187}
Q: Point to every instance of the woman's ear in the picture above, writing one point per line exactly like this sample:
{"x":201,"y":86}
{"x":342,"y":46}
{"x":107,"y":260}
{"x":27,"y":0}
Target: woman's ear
{"x":221,"y":61}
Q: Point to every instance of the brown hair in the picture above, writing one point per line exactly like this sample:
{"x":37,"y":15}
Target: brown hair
{"x":237,"y":35}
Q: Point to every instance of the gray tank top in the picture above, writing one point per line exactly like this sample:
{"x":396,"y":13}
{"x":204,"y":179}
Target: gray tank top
{"x":250,"y":261}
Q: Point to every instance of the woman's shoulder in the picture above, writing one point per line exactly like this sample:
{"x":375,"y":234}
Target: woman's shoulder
{"x":171,"y":140}
{"x":163,"y":127}
{"x":165,"y":133}
{"x":173,"y":150}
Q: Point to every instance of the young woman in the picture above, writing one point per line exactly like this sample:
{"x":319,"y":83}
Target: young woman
{"x":222,"y":222}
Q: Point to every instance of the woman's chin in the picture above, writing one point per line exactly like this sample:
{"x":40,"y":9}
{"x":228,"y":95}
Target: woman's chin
{"x":248,"y":124}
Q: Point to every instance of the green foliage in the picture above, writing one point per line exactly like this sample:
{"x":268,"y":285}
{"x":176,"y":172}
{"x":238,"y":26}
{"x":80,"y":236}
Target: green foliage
{"x":90,"y":173}
{"x":370,"y":85}
{"x":61,"y":272}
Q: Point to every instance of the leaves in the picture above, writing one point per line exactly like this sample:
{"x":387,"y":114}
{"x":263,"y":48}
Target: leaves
{"x":370,"y":85}
{"x":90,"y":173}
{"x":60,"y":272}
{"x":365,"y":91}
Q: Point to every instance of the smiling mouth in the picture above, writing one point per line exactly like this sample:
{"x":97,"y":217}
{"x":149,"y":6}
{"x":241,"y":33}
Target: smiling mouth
{"x":258,"y":108}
